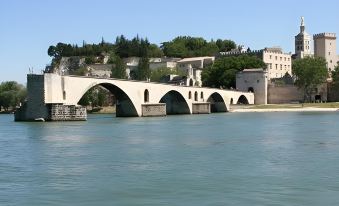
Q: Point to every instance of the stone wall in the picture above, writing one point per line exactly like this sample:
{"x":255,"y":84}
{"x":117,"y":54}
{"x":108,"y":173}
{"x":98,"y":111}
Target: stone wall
{"x":201,"y":108}
{"x":283,"y":94}
{"x":67,"y":113}
{"x":333,"y":94}
{"x":150,"y":110}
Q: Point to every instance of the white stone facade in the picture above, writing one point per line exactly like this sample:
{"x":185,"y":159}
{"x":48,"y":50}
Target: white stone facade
{"x":193,"y":68}
{"x":253,"y":80}
{"x":278,"y":63}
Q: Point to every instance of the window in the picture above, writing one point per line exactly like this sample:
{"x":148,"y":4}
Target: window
{"x":146,"y":96}
{"x":329,"y":53}
{"x":284,"y":58}
{"x":280,"y":58}
{"x":281,"y":66}
{"x":276,"y":58}
{"x":64,"y":95}
{"x":189,"y":95}
{"x":276,"y":66}
{"x":196,"y":96}
{"x":202,"y":95}
{"x":270,"y":56}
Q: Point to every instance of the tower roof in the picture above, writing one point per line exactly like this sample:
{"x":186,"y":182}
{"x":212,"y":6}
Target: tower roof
{"x":302,"y":32}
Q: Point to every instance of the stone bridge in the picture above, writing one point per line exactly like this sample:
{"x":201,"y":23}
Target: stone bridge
{"x":55,"y":97}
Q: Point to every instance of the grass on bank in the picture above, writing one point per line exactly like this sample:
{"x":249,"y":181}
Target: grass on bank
{"x":293,"y":106}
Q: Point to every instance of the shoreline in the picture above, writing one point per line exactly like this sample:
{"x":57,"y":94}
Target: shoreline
{"x":305,"y":109}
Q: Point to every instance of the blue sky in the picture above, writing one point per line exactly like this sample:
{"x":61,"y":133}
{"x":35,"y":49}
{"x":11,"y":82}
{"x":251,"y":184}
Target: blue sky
{"x":28,"y":28}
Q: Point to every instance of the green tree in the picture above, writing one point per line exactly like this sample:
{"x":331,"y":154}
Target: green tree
{"x":82,"y":71}
{"x":119,"y":68}
{"x":225,"y":45}
{"x":11,"y":94}
{"x":144,"y":72}
{"x":335,"y":76}
{"x":95,"y":97}
{"x":186,"y":46}
{"x":223,"y":72}
{"x":310,"y":72}
{"x":158,"y":74}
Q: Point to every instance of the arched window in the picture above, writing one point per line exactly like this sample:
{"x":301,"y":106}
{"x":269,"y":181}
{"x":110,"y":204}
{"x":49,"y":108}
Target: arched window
{"x":189,"y":95}
{"x":146,"y":96}
{"x":196,"y":96}
{"x":201,"y":95}
{"x":64,"y":95}
{"x":191,"y":82}
{"x":231,"y":100}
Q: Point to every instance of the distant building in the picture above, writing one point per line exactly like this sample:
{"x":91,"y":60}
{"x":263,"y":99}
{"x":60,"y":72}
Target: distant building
{"x":277,"y":62}
{"x":100,"y":70}
{"x":302,"y":42}
{"x":132,"y":64}
{"x":164,"y":63}
{"x":253,"y":80}
{"x":193,"y":68}
{"x":325,"y":46}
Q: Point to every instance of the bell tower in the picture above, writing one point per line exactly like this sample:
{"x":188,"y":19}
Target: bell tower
{"x":302,"y":42}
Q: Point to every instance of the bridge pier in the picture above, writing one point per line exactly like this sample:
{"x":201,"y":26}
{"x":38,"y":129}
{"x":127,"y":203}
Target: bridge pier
{"x":201,"y":108}
{"x":153,"y":110}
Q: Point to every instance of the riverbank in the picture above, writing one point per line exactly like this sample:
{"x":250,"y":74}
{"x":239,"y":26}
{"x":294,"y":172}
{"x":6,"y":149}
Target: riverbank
{"x":307,"y":107}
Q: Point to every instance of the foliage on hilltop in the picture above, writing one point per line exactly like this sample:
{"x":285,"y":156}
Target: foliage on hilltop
{"x":186,"y":46}
{"x":122,"y":47}
{"x":182,"y":46}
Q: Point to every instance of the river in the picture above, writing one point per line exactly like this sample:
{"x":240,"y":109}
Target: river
{"x":218,"y":159}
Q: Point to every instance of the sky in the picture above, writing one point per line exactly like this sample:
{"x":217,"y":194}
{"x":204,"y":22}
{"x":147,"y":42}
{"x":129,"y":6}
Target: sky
{"x":28,"y":28}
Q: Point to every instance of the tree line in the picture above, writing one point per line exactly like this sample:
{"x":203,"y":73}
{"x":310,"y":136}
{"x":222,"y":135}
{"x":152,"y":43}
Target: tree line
{"x":182,"y":46}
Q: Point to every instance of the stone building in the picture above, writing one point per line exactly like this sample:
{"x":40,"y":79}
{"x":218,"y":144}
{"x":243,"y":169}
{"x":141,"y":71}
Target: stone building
{"x":100,"y":70}
{"x":303,"y":42}
{"x":277,"y":62}
{"x":253,"y":80}
{"x":193,"y":68}
{"x":325,"y":46}
{"x":132,"y":64}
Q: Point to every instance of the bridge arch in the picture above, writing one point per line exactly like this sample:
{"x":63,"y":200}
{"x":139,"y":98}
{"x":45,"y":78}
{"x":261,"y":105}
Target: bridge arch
{"x":175,"y":103}
{"x":125,"y":107}
{"x":217,"y":103}
{"x":242,"y":100}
